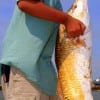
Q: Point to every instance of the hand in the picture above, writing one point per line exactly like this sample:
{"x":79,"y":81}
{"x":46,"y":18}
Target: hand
{"x":4,"y":77}
{"x":74,"y":27}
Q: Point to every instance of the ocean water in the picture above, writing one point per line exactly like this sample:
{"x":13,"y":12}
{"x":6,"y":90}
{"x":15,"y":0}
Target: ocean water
{"x":96,"y":95}
{"x":1,"y":96}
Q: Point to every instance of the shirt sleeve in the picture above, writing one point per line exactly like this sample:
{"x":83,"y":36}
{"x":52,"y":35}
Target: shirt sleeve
{"x":58,"y":5}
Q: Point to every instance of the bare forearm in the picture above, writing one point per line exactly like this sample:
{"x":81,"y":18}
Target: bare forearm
{"x":74,"y":27}
{"x":41,"y":10}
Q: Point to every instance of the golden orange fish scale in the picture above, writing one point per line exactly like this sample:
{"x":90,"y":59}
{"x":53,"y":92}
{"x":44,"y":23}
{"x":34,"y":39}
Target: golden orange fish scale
{"x":69,"y":81}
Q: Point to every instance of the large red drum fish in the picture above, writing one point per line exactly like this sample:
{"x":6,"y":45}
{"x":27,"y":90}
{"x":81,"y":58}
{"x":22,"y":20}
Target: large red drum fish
{"x":73,"y":58}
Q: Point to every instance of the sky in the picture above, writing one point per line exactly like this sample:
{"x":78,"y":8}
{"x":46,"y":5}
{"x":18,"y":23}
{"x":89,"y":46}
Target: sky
{"x":6,"y":11}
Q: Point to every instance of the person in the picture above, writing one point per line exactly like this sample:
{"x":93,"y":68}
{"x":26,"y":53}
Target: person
{"x":27,"y":70}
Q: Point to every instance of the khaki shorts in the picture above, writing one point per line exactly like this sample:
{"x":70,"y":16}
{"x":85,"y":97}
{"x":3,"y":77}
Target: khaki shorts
{"x":19,"y":88}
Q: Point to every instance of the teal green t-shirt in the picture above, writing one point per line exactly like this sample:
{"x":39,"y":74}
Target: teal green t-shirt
{"x":28,"y":46}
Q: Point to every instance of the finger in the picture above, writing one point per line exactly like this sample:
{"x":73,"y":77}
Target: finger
{"x":69,"y":35}
{"x":77,"y":33}
{"x":72,"y":35}
{"x":4,"y":77}
{"x":83,"y":27}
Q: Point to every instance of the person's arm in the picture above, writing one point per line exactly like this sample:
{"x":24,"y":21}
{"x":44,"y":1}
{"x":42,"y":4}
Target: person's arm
{"x":38,"y":9}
